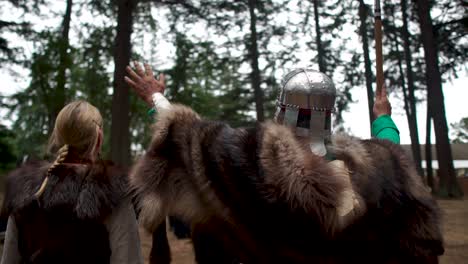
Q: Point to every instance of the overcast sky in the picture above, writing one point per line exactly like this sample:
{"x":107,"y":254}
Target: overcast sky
{"x":356,"y":118}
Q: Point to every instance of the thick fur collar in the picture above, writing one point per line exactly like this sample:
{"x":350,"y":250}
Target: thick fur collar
{"x":88,"y":191}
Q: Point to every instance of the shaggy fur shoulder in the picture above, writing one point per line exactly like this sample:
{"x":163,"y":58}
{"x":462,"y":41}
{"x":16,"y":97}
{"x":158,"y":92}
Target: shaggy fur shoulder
{"x":377,"y":160}
{"x":394,"y":194}
{"x":189,"y":163}
{"x":307,"y":182}
{"x":150,"y":178}
{"x":88,"y":191}
{"x":276,"y":202}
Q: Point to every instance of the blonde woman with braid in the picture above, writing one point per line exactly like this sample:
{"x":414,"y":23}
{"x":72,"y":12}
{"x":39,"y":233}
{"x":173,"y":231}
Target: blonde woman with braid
{"x":75,"y":209}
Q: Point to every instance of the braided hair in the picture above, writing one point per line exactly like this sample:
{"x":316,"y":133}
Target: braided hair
{"x":61,"y":155}
{"x":77,"y":127}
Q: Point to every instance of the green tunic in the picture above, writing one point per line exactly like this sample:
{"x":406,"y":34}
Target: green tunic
{"x":384,"y":128}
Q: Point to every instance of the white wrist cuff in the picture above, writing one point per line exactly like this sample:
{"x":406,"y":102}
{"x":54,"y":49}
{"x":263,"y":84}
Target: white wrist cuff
{"x":160,"y":102}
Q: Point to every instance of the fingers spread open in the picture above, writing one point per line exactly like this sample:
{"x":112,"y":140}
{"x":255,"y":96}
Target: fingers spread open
{"x":130,"y":82}
{"x":133,"y":74}
{"x":148,"y":70}
{"x":139,"y":69}
{"x":162,"y":78}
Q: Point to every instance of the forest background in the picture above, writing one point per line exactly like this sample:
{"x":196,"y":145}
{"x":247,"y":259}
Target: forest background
{"x":226,"y":59}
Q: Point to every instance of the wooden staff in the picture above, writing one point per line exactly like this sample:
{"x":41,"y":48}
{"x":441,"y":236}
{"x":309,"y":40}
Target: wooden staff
{"x":378,"y":46}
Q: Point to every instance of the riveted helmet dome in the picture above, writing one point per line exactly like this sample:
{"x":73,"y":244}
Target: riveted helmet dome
{"x":308,"y":89}
{"x":305,"y":103}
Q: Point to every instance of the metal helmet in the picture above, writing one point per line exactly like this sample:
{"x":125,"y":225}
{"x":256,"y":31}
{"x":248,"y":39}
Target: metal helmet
{"x":305,"y":104}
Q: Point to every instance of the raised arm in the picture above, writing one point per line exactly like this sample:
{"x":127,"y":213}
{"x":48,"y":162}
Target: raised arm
{"x":147,"y":87}
{"x":383,"y":126}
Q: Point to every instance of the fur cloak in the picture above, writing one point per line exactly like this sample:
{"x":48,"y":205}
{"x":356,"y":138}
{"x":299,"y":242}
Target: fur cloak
{"x":264,"y":198}
{"x":66,"y":224}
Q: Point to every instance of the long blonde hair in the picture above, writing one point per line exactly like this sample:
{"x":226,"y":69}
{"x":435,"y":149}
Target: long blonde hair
{"x":77,"y":126}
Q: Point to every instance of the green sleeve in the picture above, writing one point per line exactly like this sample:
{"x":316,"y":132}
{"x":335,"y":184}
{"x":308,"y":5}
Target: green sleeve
{"x":151,"y":112}
{"x":384,"y":128}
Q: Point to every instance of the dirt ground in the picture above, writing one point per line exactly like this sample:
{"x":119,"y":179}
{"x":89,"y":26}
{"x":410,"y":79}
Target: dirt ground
{"x":456,"y":228}
{"x":181,"y":249}
{"x":455,"y":213}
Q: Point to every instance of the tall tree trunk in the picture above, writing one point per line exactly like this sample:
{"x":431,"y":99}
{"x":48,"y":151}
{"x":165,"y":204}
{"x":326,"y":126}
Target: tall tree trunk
{"x":448,"y":182}
{"x":179,"y":74}
{"x":253,"y":52}
{"x":428,"y":149}
{"x":412,"y":118}
{"x":409,"y":114}
{"x":120,"y":128}
{"x":402,"y":79}
{"x":59,"y":94}
{"x":318,"y":40}
{"x":363,"y":14}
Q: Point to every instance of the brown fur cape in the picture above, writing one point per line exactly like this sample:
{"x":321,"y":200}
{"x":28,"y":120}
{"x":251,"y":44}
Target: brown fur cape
{"x":66,"y":224}
{"x":264,"y":198}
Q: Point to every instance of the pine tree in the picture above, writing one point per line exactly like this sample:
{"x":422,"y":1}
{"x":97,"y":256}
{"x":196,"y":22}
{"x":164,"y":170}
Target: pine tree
{"x":9,"y":52}
{"x":364,"y":11}
{"x":460,"y":131}
{"x":448,"y":183}
{"x":246,"y":24}
{"x":329,"y":18}
{"x":410,"y":99}
{"x":64,"y":64}
{"x":120,"y":126}
{"x":36,"y":106}
{"x":399,"y":55}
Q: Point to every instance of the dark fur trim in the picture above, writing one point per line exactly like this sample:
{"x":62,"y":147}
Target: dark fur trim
{"x":278,"y":202}
{"x":89,"y":191}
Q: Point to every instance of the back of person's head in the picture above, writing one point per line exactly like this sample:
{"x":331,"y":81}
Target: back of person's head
{"x":77,"y":126}
{"x":77,"y":132}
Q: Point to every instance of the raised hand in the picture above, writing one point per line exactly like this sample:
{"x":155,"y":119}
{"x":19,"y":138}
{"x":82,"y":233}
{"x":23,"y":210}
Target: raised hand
{"x":143,"y":82}
{"x":381,"y":105}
